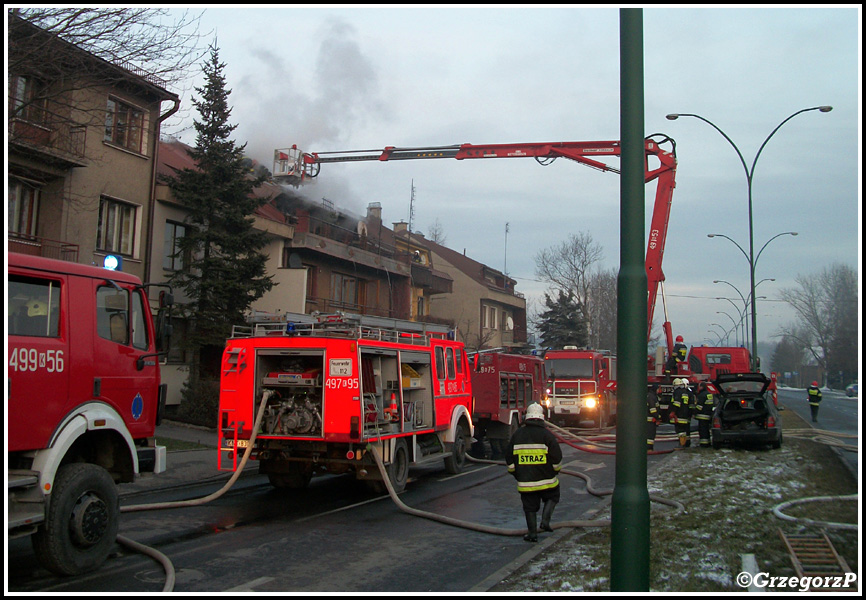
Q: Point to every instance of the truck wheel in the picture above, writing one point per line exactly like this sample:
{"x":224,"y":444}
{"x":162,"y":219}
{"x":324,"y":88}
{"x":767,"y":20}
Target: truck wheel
{"x":82,"y":520}
{"x":397,"y":471}
{"x":455,"y":461}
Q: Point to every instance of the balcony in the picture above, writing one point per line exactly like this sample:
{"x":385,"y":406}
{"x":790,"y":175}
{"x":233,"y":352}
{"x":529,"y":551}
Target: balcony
{"x":62,"y":147}
{"x":38,"y":246}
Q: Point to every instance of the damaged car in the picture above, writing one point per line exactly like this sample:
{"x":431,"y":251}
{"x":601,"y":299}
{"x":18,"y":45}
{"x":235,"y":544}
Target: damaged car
{"x":745,"y":413}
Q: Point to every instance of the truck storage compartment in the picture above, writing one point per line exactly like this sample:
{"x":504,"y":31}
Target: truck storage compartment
{"x":295,"y":377}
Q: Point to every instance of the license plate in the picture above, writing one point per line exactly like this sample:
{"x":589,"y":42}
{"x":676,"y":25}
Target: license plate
{"x":567,"y":402}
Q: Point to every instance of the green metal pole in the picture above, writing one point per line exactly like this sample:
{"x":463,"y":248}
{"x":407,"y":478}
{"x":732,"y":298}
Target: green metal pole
{"x":629,"y":543}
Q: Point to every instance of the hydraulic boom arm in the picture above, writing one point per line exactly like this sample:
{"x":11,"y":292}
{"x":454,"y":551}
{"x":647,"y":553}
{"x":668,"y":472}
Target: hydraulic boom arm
{"x":293,"y":166}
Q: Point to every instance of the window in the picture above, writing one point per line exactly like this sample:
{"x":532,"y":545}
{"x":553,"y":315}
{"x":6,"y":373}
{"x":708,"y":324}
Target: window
{"x":420,"y":309}
{"x":177,"y":352}
{"x":490,"y":317}
{"x":124,"y":125}
{"x":24,"y":100}
{"x":112,"y":314}
{"x":34,"y":307}
{"x":344,"y":290}
{"x":312,"y":291}
{"x":116,"y":230}
{"x":450,"y":363}
{"x":23,"y":207}
{"x":140,"y":338}
{"x":440,"y":363}
{"x":173,"y":258}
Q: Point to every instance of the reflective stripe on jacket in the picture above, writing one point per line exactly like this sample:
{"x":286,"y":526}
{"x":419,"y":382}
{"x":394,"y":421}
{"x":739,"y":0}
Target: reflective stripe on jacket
{"x":534,"y":457}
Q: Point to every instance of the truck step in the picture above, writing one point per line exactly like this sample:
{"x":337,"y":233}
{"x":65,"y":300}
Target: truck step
{"x":22,"y":478}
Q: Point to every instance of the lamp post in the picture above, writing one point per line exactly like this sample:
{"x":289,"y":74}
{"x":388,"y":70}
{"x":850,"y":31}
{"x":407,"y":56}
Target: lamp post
{"x":736,"y":326}
{"x":724,"y":331}
{"x":749,"y":175}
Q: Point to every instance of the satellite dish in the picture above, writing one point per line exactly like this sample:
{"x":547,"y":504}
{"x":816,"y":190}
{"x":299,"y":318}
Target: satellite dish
{"x":509,"y":324}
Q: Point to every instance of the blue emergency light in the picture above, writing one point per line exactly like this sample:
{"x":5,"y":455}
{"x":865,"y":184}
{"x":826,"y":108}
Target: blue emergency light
{"x":112,"y":262}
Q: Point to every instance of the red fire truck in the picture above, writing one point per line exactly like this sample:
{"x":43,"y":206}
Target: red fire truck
{"x":334,"y":385}
{"x":503,"y":385}
{"x":581,"y":385}
{"x":84,"y":397}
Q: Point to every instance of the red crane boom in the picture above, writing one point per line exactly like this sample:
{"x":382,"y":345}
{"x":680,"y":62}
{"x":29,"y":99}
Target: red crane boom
{"x":293,"y":166}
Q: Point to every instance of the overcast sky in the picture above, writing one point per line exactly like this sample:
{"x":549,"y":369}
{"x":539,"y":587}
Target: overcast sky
{"x":349,"y":78}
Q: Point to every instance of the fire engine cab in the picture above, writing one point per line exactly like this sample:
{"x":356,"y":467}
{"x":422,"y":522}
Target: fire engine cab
{"x":334,"y":386}
{"x":581,"y":385}
{"x":503,"y":385}
{"x":84,"y":397}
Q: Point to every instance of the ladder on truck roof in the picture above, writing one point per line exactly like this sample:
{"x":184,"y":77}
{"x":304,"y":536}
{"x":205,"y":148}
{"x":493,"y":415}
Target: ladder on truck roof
{"x":340,"y":324}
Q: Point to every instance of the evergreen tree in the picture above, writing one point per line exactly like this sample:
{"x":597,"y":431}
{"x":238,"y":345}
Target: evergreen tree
{"x":563,"y":323}
{"x":226,"y":271}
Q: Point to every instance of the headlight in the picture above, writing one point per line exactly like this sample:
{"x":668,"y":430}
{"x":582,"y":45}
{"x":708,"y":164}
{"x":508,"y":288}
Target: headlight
{"x":590,"y":402}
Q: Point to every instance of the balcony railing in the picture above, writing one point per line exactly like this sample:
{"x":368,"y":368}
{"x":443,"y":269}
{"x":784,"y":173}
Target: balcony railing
{"x":39,"y":246}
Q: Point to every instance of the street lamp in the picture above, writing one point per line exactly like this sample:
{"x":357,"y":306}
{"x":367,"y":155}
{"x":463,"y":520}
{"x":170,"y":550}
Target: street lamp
{"x":749,"y":175}
{"x":736,"y":326}
{"x":724,"y":331}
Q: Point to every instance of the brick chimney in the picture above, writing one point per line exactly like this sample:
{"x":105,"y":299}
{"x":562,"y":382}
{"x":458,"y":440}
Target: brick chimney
{"x":400,"y":227}
{"x":374,"y":210}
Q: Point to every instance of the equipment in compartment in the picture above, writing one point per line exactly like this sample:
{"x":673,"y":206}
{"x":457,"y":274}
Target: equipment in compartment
{"x":295,"y":413}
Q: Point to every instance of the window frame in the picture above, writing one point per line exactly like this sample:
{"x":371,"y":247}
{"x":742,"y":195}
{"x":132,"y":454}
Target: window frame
{"x":123,"y":233}
{"x":125,"y":125}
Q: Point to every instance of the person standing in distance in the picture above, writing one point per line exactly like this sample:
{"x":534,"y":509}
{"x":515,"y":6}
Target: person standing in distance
{"x":535,"y":458}
{"x":652,"y":416}
{"x":814,"y":400}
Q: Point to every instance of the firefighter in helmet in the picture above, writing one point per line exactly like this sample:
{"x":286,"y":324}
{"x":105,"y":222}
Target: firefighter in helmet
{"x":535,"y":458}
{"x":705,"y":403}
{"x":814,"y":400}
{"x":683,"y":403}
{"x":652,"y":416}
{"x":677,"y":356}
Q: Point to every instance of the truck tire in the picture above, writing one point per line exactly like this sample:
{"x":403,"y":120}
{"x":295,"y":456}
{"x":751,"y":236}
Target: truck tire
{"x":397,"y":471}
{"x":81,"y":523}
{"x":455,"y":461}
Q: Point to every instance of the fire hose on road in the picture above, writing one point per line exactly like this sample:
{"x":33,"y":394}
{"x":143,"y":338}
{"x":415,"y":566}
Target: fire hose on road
{"x":169,"y":569}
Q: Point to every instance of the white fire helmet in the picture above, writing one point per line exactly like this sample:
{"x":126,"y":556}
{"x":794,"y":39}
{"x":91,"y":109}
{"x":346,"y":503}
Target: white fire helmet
{"x":678,"y":382}
{"x":534,"y":411}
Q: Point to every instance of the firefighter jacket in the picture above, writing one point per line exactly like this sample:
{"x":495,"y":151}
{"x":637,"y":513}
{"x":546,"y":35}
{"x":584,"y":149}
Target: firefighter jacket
{"x":652,"y":406}
{"x":705,"y":402}
{"x":814,"y":395}
{"x":683,"y":403}
{"x":534,"y":457}
{"x":680,"y":352}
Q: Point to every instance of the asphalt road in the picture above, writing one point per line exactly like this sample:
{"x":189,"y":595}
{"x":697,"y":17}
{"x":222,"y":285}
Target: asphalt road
{"x":335,"y":536}
{"x":838,"y":414}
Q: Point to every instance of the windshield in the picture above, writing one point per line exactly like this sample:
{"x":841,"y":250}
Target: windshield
{"x":743,"y":387}
{"x":568,"y":367}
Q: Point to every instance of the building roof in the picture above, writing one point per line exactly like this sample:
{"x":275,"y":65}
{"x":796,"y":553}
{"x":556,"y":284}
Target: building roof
{"x":174,"y":156}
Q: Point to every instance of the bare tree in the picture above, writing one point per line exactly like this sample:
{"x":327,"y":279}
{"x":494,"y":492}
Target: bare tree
{"x":155,"y":41}
{"x":567,"y":267}
{"x":436,"y":233}
{"x":827,"y":307}
{"x":58,"y":55}
{"x":603,"y":309}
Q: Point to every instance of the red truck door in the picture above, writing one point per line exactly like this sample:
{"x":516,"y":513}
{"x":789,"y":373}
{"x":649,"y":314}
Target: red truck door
{"x":39,"y":360}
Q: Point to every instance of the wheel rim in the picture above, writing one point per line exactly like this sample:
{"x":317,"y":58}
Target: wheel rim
{"x":89,"y":520}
